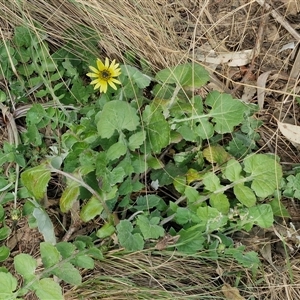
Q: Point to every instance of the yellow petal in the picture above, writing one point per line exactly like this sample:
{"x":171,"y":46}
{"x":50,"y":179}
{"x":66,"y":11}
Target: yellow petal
{"x":115,"y":73}
{"x":106,"y":62}
{"x":95,"y":81}
{"x":115,"y":80}
{"x":92,"y":75}
{"x":94,"y":69}
{"x":100,"y":65}
{"x":112,"y":85}
{"x":103,"y":87}
{"x":97,"y":86}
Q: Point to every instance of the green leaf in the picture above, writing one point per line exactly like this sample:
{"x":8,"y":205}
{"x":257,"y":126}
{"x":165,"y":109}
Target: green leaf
{"x":225,"y":111}
{"x":220,"y":202}
{"x":2,"y":212}
{"x":105,"y":231}
{"x":4,"y":253}
{"x":189,"y":74}
{"x":247,"y":260}
{"x":50,"y":255}
{"x":69,"y":196}
{"x":22,"y":36}
{"x":205,"y":129}
{"x":157,"y":128}
{"x":116,"y":150}
{"x":137,"y":76}
{"x":216,"y":154}
{"x":48,"y":289}
{"x":8,"y":284}
{"x":191,"y":240}
{"x":191,"y":193}
{"x":95,"y":253}
{"x":233,"y":170}
{"x":244,"y":194}
{"x":262,"y":215}
{"x":131,"y":242}
{"x":150,"y":228}
{"x":211,"y":218}
{"x":279,"y":209}
{"x":65,"y":249}
{"x":265,"y":173}
{"x":91,"y":209}
{"x":67,"y":272}
{"x":83,"y":261}
{"x":116,"y":116}
{"x":4,"y":232}
{"x":183,"y":216}
{"x":25,"y":265}
{"x":44,"y":224}
{"x":36,"y":180}
{"x":147,"y":202}
{"x":136,"y":140}
{"x":211,"y":182}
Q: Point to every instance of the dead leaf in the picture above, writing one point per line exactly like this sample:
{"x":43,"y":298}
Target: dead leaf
{"x":266,"y":253}
{"x":261,"y":85}
{"x":249,"y":92}
{"x":231,"y":293}
{"x":166,"y":241}
{"x":233,"y":59}
{"x":290,"y":131}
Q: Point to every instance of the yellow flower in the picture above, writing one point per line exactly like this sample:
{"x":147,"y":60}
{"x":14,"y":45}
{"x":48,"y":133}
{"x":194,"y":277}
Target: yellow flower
{"x":104,"y":74}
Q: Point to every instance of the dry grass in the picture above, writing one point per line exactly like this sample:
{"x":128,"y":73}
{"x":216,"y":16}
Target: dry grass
{"x":165,"y":33}
{"x":165,"y":275}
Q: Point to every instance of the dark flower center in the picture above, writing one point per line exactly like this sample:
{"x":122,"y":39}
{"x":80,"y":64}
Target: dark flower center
{"x":105,"y":74}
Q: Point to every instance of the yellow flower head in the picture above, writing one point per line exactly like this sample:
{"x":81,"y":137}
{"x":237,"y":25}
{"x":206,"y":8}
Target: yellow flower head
{"x":104,"y":74}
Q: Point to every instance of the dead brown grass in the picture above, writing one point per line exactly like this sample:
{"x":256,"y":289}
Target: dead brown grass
{"x":165,"y":275}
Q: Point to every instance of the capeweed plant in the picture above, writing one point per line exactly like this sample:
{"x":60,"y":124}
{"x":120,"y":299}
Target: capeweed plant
{"x":118,"y":152}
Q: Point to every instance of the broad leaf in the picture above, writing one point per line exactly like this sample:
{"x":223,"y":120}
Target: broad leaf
{"x":45,"y":225}
{"x":128,"y":240}
{"x":220,"y":202}
{"x":136,"y":76}
{"x":4,"y":253}
{"x":69,"y":196}
{"x":67,"y":272}
{"x":216,"y":154}
{"x":225,"y":111}
{"x":211,"y":218}
{"x":8,"y":284}
{"x":105,"y":231}
{"x":50,"y":255}
{"x":36,"y":180}
{"x":150,"y":228}
{"x":244,"y":194}
{"x":265,"y":173}
{"x":191,"y":240}
{"x":65,"y":249}
{"x":4,"y":232}
{"x":83,"y":261}
{"x":232,"y":170}
{"x":116,"y":116}
{"x":158,"y":129}
{"x":116,"y":150}
{"x":91,"y":209}
{"x":25,"y":265}
{"x":211,"y":182}
{"x":189,"y":74}
{"x":48,"y":289}
{"x":262,"y":215}
{"x":136,"y":140}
